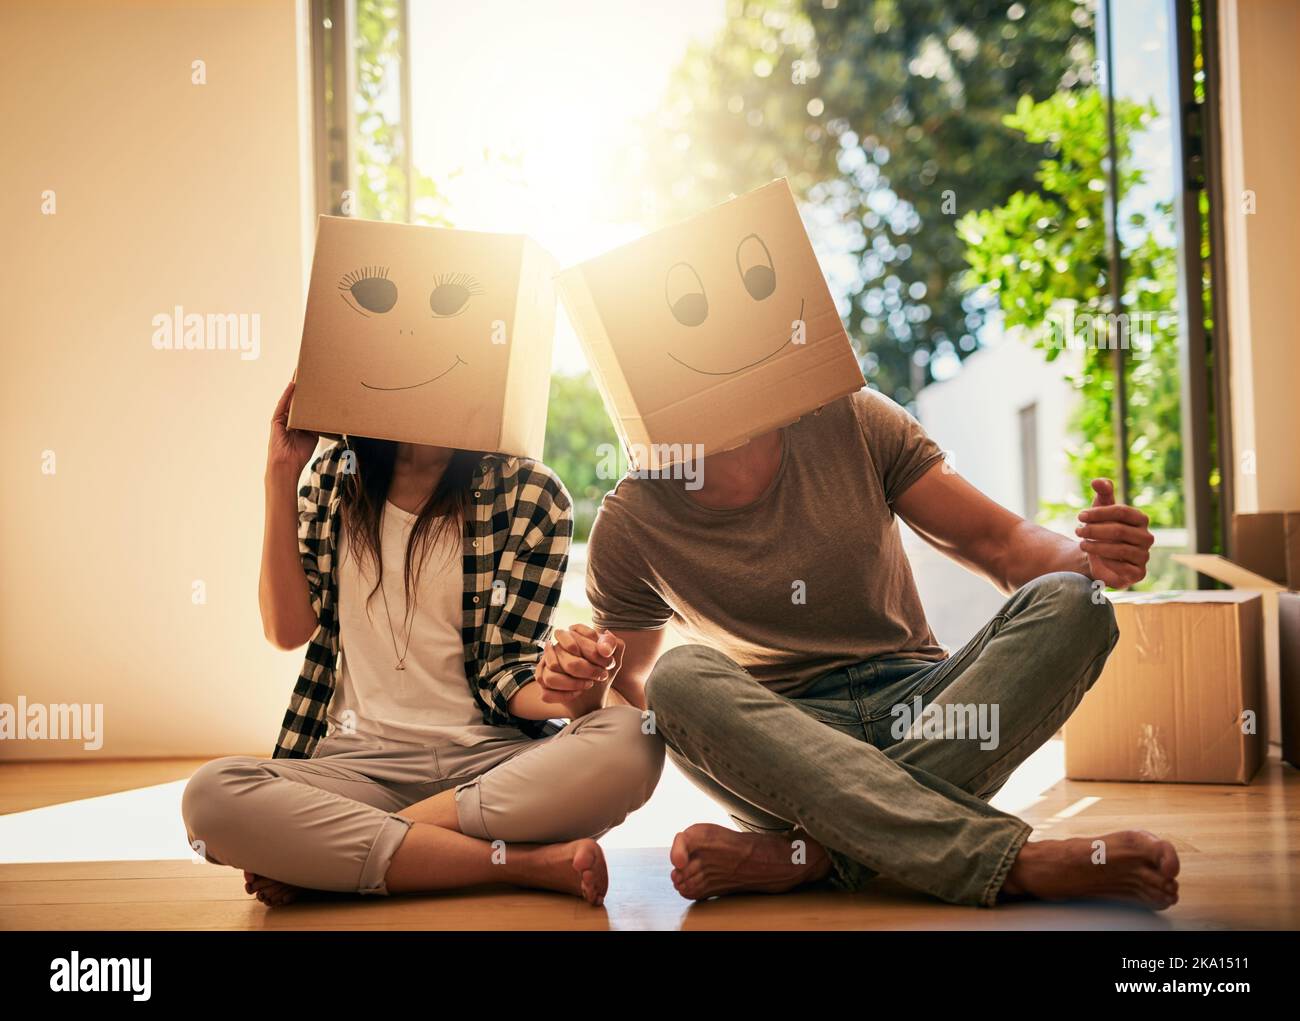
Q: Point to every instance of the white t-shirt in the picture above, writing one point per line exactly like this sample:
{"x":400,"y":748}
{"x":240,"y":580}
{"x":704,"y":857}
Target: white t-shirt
{"x":429,"y":702}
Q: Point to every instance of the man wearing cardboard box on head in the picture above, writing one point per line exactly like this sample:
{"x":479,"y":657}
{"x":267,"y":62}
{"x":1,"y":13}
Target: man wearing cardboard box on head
{"x":817,"y":706}
{"x":421,"y":566}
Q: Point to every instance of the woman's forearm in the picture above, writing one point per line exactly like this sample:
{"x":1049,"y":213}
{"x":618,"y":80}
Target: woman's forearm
{"x":284,"y":596}
{"x":528,"y":704}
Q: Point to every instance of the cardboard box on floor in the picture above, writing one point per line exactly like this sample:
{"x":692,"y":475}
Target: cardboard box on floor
{"x":427,"y":335}
{"x":1266,"y":559}
{"x":1179,"y":696}
{"x":708,"y":333}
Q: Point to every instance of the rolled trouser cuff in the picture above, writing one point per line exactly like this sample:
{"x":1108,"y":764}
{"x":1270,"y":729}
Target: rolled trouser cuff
{"x":469,"y":811}
{"x":1000,"y":874}
{"x":392,"y":831}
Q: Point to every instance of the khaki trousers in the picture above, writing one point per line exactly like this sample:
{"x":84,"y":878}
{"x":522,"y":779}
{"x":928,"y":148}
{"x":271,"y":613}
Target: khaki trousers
{"x":330,"y":823}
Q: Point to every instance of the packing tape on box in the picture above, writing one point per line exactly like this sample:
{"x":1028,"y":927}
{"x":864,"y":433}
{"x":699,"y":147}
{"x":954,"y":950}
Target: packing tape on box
{"x":1148,"y":637}
{"x":1154,"y":761}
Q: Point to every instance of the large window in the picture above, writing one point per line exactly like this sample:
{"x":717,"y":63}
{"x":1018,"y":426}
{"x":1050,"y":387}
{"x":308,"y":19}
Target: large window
{"x":1154,"y":80}
{"x":1009,"y":199}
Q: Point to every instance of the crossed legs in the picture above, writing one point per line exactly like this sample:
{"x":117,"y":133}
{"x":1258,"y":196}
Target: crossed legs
{"x":828,"y":800}
{"x":363,"y":819}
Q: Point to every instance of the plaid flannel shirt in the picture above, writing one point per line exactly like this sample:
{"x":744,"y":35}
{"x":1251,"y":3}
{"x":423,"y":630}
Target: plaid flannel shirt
{"x":516,"y":547}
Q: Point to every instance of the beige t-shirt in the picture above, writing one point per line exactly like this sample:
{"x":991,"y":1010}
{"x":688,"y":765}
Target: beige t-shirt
{"x":810,"y":577}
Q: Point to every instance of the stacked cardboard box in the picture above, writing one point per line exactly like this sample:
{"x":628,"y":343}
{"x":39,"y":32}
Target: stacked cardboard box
{"x":1266,"y":559}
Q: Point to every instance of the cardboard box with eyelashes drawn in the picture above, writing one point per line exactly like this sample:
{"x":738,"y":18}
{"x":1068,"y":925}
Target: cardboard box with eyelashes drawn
{"x":708,"y":333}
{"x":427,"y":335}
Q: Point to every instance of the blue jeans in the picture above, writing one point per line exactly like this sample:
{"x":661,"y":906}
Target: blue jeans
{"x":889,"y":763}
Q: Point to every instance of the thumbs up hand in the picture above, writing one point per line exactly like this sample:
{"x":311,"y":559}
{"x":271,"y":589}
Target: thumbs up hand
{"x":1115,"y":538}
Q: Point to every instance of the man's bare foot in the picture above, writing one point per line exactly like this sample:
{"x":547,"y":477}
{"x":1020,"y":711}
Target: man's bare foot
{"x":271,"y":892}
{"x":577,"y":867}
{"x":1139,"y":867}
{"x":709,"y":861}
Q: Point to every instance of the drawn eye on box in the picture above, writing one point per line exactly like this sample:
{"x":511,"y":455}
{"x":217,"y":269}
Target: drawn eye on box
{"x":369,"y":292}
{"x":688,"y":301}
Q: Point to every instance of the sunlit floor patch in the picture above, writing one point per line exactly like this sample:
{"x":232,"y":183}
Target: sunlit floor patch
{"x":139,"y":825}
{"x":1036,"y":774}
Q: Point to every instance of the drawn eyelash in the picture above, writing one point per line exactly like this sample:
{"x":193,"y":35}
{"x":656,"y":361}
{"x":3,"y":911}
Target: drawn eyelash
{"x":465,"y":280}
{"x":365,"y":273}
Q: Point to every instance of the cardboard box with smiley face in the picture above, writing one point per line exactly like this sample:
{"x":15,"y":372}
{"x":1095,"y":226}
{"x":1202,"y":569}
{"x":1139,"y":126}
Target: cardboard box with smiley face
{"x":708,"y":333}
{"x":427,"y":335}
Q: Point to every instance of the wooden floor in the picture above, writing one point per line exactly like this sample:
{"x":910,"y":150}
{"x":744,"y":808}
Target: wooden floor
{"x":1240,"y":849}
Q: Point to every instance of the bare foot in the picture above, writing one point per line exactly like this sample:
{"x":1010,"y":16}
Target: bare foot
{"x":577,"y":867}
{"x":709,"y":861}
{"x":271,"y":892}
{"x":1139,"y":867}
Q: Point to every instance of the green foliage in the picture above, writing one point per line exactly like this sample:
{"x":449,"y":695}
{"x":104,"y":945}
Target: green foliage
{"x":580,"y":445}
{"x":1040,"y":249}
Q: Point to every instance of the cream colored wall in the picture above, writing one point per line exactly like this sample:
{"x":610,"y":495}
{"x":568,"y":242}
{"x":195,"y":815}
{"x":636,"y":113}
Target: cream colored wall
{"x":1261,"y":141}
{"x":167,"y":193}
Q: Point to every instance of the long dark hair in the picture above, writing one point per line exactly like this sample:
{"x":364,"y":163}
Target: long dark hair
{"x":365,"y":491}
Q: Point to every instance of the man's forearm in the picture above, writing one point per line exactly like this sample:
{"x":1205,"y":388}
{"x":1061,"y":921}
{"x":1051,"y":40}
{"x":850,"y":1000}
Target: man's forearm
{"x":1032,"y":551}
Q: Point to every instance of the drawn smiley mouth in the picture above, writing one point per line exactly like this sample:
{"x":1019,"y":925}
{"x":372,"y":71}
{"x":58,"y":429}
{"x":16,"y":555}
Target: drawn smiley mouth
{"x":742,"y":368}
{"x":412,"y":386}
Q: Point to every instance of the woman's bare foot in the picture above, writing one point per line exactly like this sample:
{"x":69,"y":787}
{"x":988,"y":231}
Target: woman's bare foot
{"x":709,"y":861}
{"x":577,"y":867}
{"x":1138,"y":867}
{"x":271,"y":892}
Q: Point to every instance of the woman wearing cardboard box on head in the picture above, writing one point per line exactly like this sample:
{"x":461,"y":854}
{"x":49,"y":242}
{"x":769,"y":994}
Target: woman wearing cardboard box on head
{"x":414,"y":756}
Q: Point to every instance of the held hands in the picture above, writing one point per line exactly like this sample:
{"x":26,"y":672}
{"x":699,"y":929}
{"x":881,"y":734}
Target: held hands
{"x":1115,"y":538}
{"x":289,"y":450}
{"x":578,"y":667}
